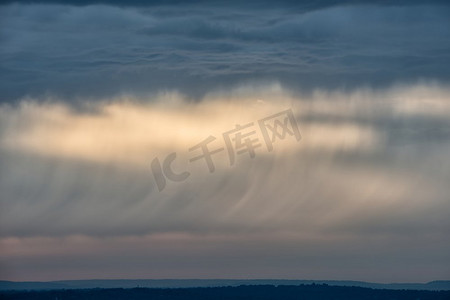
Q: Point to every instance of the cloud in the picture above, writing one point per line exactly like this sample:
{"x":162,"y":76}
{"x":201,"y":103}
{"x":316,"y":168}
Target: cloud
{"x":226,"y":256}
{"x":100,"y":51}
{"x":311,"y":5}
{"x":88,"y":171}
{"x":93,"y":91}
{"x":370,"y":169}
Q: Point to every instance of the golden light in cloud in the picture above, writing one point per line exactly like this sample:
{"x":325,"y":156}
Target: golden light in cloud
{"x":122,"y":131}
{"x":132,"y":131}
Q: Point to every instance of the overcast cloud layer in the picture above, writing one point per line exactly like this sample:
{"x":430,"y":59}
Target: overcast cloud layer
{"x":98,"y":50}
{"x":91,"y":94}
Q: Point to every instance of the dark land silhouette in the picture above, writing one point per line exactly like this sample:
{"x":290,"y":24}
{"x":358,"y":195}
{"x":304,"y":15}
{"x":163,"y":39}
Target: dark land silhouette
{"x":194,"y":283}
{"x":262,"y":292}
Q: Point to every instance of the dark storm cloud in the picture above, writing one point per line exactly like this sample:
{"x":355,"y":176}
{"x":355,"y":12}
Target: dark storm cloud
{"x":101,"y":50}
{"x":307,"y":5}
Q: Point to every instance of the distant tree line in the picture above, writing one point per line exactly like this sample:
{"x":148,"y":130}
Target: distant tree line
{"x":257,"y":292}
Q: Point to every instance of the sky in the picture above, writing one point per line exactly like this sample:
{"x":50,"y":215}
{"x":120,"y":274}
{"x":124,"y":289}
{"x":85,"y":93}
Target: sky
{"x":327,"y":125}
